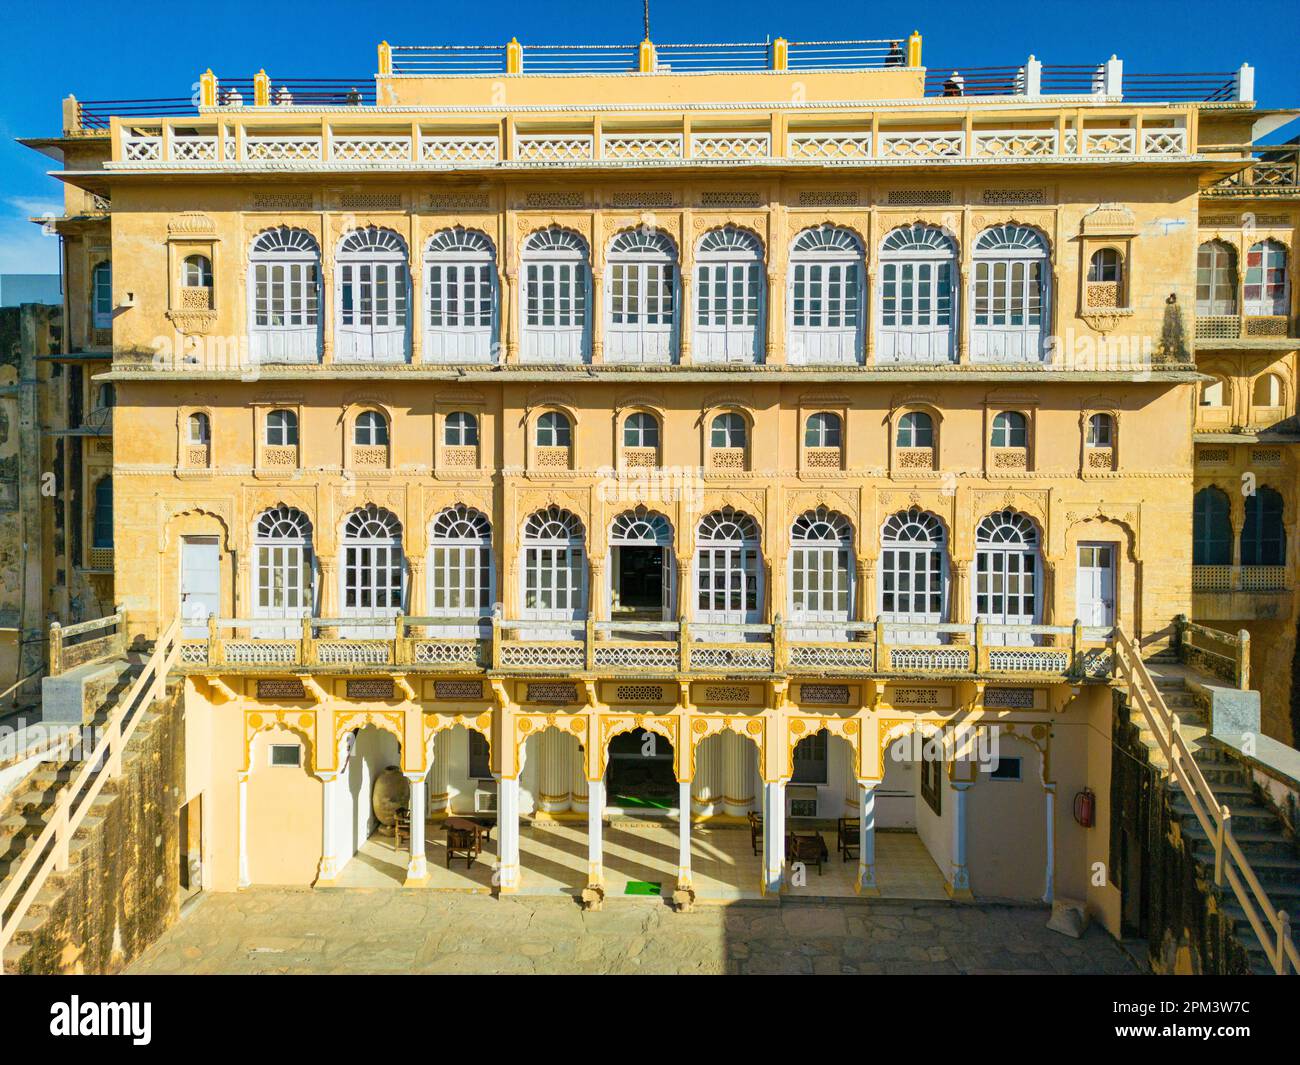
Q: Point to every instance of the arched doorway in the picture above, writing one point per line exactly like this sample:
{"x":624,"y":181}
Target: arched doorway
{"x":1006,"y":586}
{"x":639,"y":774}
{"x":641,"y":570}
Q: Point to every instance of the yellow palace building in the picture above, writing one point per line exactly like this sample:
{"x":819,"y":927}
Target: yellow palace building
{"x":650,"y":446}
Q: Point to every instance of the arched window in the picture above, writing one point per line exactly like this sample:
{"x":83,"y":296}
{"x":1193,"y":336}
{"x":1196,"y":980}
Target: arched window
{"x":101,"y":284}
{"x":196,"y":272}
{"x":1011,"y":313}
{"x":1216,"y":278}
{"x":372,"y":287}
{"x":1101,"y":431}
{"x":1267,"y":391}
{"x":460,"y":429}
{"x":915,"y":429}
{"x":917,"y":303}
{"x":641,"y":572}
{"x":640,"y":297}
{"x":372,"y":572}
{"x":281,"y":428}
{"x":728,"y":573}
{"x":284,"y":296}
{"x":102,"y":525}
{"x":283,"y":571}
{"x":825,"y":281}
{"x":1010,"y":429}
{"x":913,"y":580}
{"x":641,"y":429}
{"x":1211,"y":528}
{"x":728,"y":430}
{"x":461,"y":579}
{"x":371,"y":429}
{"x":106,"y":398}
{"x":200,"y":428}
{"x":555,"y":573}
{"x":822,"y":430}
{"x":821,"y":570}
{"x":1263,"y":539}
{"x":729,"y":297}
{"x":1215,"y":393}
{"x":1266,"y":291}
{"x":1106,"y":264}
{"x":1005,"y":591}
{"x":556,"y":286}
{"x":554,"y":429}
{"x":460,"y":281}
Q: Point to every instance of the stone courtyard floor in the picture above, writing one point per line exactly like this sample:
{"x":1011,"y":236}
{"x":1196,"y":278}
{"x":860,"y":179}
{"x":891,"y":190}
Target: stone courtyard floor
{"x":268,"y":930}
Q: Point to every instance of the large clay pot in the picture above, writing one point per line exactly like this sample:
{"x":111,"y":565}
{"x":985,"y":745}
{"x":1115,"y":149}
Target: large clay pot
{"x":391,"y":793}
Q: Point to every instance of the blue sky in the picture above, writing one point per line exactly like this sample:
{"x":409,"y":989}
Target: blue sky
{"x":152,"y":49}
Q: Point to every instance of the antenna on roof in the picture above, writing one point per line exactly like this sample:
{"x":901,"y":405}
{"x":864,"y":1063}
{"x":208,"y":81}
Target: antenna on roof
{"x":647,"y":20}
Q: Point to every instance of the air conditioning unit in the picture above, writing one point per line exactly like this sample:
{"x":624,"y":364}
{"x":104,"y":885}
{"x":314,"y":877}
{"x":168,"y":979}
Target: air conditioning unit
{"x":485,"y":800}
{"x":801,"y":801}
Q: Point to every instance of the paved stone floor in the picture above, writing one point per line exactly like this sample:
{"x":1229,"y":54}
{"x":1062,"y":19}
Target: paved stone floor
{"x":267,"y":930}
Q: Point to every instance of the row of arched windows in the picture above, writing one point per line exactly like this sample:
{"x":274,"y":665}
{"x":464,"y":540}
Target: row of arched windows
{"x":917,"y":304}
{"x":728,"y":570}
{"x":1262,"y":541}
{"x":1265,"y":290}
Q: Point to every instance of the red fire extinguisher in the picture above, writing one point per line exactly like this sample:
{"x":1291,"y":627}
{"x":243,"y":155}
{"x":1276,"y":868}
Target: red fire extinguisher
{"x":1085,"y":808}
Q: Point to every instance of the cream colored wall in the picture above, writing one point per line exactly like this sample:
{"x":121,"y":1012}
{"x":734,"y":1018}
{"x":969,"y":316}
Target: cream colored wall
{"x":1006,"y":842}
{"x":284,"y":816}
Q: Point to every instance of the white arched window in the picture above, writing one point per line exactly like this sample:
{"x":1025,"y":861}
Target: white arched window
{"x":554,"y":429}
{"x":1010,"y":429}
{"x":641,"y":571}
{"x":915,"y":429}
{"x":823,"y":429}
{"x":101,"y":295}
{"x":555,"y":571}
{"x":370,"y":430}
{"x":461,"y":582}
{"x":825,"y":280}
{"x":640,"y":294}
{"x":1005,"y":590}
{"x":372,"y":576}
{"x":913,"y":581}
{"x":371,"y":290}
{"x":284,"y":297}
{"x":729,"y":430}
{"x":281,"y":428}
{"x":196,"y":272}
{"x":821,"y":571}
{"x":460,"y":429}
{"x":917,"y":312}
{"x":641,"y":429}
{"x":1101,"y":431}
{"x":1266,"y":291}
{"x":1011,"y":318}
{"x":1216,"y":278}
{"x":729,"y":297}
{"x":460,"y":284}
{"x":283,"y":573}
{"x":557,"y":282}
{"x":728,"y":573}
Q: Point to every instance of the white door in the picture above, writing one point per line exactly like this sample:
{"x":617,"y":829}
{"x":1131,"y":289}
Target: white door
{"x":1006,"y":591}
{"x":728,"y":319}
{"x":912,"y":589}
{"x":200,"y":584}
{"x":821,"y":590}
{"x":1095,"y":584}
{"x":372,"y":580}
{"x":639,"y":312}
{"x":727,"y":591}
{"x":372,"y":312}
{"x":555,"y":312}
{"x":915,"y":313}
{"x":555,"y":589}
{"x":824,"y":320}
{"x":460,"y":586}
{"x":1009,"y":307}
{"x":282,"y":589}
{"x":461,"y":312}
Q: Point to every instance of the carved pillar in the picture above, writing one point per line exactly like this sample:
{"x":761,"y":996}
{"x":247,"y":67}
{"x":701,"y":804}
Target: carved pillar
{"x":738,"y":790}
{"x":959,"y":880}
{"x":597,"y":313}
{"x":554,"y":771}
{"x":865,"y":576}
{"x":965,"y":310}
{"x":866,"y":884}
{"x":328,"y":870}
{"x":578,"y":778}
{"x":417,"y":602}
{"x":513,"y":322}
{"x":869,"y":301}
{"x":775,"y":355}
{"x":685,"y":316}
{"x":959,"y":598}
{"x":414,"y":319}
{"x":505,"y":316}
{"x":417,"y":870}
{"x":773,"y":837}
{"x":1049,"y":876}
{"x":594,"y":893}
{"x":508,"y":833}
{"x":325,"y":310}
{"x":439,"y":796}
{"x":597,"y":593}
{"x":684,"y":590}
{"x":329,"y":586}
{"x":242,"y":606}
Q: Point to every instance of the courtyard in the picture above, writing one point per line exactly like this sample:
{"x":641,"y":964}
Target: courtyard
{"x":374,"y":930}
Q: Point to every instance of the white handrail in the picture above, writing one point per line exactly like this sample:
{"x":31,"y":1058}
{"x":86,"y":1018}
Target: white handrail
{"x":1272,"y":926}
{"x":51,"y":850}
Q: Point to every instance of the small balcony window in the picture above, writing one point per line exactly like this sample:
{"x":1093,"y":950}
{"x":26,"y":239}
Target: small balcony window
{"x":460,"y":430}
{"x":200,"y":429}
{"x":282,"y":429}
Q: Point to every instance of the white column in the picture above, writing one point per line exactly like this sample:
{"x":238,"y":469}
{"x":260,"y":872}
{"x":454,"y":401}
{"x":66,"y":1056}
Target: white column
{"x":705,"y":790}
{"x":1049,"y":800}
{"x":960,"y":880}
{"x":595,"y":844}
{"x":866,"y":884}
{"x":738,"y":790}
{"x":578,"y":778}
{"x":243,"y":830}
{"x":553,"y":771}
{"x":437,"y":779}
{"x":329,"y":855}
{"x":773,"y":837}
{"x":684,"y":834}
{"x":417,"y":869}
{"x":508,"y":831}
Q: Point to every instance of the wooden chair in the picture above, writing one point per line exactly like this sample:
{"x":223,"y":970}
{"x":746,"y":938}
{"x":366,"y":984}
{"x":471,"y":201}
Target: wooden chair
{"x":463,"y":843}
{"x":809,"y":849}
{"x":401,"y":827}
{"x":755,"y":832}
{"x":847,"y":838}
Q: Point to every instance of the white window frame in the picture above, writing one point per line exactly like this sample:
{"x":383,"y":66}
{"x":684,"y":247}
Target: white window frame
{"x":731,"y":423}
{"x":829,"y":431}
{"x":295,"y":747}
{"x":200,"y":420}
{"x":372,"y":567}
{"x":917,"y":301}
{"x":730,"y":303}
{"x":1011,"y":309}
{"x":1263,"y":304}
{"x":283,"y":423}
{"x":460,"y":298}
{"x":554,"y":570}
{"x":556,"y":285}
{"x":825,"y":291}
{"x":728,"y":573}
{"x":912,"y":571}
{"x":373,"y":426}
{"x":554,"y":429}
{"x":644,"y":528}
{"x":461,"y":570}
{"x":1008,"y":572}
{"x":460,"y":429}
{"x":372,"y":288}
{"x":284,"y":296}
{"x":1096,"y":438}
{"x":646,"y":424}
{"x":101,"y":282}
{"x":820,"y":575}
{"x":1219,"y":276}
{"x":283,"y":572}
{"x":641,"y":297}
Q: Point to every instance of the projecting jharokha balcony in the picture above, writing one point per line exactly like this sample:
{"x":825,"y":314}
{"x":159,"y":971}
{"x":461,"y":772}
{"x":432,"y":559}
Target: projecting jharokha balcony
{"x":884,"y":648}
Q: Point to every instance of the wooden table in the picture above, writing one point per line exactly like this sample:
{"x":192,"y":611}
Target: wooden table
{"x":465,"y":839}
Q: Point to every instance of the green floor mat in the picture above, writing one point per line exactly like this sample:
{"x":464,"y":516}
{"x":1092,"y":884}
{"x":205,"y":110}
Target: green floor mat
{"x":642,"y":801}
{"x":641,"y":887}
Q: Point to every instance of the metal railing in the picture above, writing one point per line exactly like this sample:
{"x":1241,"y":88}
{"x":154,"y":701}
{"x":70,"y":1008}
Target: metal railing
{"x":51,"y":851}
{"x":86,"y":642}
{"x":524,"y":645}
{"x":1271,"y":925}
{"x":1225,"y":654}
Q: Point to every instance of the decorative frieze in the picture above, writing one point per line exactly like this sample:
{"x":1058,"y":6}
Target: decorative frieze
{"x":280,"y":688}
{"x":554,"y":692}
{"x":458,"y":690}
{"x":370,"y":688}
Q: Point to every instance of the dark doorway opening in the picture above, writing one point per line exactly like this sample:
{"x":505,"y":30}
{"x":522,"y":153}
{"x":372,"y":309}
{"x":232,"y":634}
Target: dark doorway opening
{"x":638,"y":591}
{"x":640,"y":773}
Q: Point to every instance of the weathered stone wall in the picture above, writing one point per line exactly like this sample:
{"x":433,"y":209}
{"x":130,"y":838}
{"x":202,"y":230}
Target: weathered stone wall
{"x":123,"y":889}
{"x":1181,"y":920}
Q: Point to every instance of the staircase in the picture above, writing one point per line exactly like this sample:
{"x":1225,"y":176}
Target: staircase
{"x":1272,"y":854}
